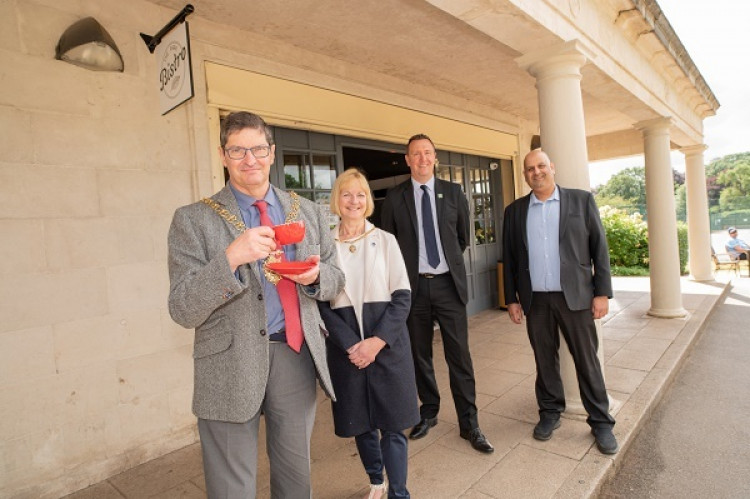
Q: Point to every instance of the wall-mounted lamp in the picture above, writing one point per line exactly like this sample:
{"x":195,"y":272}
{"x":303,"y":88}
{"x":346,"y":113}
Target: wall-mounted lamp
{"x":87,"y":44}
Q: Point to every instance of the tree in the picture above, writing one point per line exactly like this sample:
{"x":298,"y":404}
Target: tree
{"x":625,"y":190}
{"x":736,"y":192}
{"x":629,"y":184}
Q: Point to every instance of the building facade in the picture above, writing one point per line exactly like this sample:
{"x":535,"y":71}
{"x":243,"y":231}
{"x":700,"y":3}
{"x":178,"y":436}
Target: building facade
{"x":94,"y":376}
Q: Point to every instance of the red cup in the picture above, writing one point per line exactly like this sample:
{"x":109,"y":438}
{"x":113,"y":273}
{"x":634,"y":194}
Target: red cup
{"x":290,"y":233}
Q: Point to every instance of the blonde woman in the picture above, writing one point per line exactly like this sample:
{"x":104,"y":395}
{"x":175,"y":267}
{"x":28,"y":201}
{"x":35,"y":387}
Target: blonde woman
{"x":369,"y":354}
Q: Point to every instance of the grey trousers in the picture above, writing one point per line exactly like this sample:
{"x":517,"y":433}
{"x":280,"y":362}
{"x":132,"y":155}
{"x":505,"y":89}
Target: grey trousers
{"x":230,"y":450}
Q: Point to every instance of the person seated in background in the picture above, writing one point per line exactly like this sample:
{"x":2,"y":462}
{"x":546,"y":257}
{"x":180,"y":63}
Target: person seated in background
{"x":737,"y":248}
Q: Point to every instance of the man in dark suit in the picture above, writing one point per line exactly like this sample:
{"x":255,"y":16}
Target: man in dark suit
{"x":430,"y":219}
{"x":556,"y":271}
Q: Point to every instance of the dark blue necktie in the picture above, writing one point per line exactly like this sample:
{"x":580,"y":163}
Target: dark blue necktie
{"x":428,"y":228}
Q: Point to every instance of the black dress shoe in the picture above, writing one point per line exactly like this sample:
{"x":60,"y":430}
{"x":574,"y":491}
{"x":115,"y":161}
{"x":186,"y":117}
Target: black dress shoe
{"x":478,"y":440}
{"x":544,"y":428}
{"x":422,"y":428}
{"x":605,"y":440}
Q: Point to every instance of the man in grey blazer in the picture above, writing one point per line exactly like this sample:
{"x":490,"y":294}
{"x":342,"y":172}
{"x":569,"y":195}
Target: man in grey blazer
{"x":246,"y":361}
{"x":556,"y":271}
{"x":430,"y":219}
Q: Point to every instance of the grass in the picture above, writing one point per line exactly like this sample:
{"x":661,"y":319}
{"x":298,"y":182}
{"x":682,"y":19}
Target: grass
{"x":628,"y":271}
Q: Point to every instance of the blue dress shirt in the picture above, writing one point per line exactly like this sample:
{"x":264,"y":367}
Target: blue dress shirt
{"x":424,"y":265}
{"x":251,"y":218}
{"x":543,"y":234}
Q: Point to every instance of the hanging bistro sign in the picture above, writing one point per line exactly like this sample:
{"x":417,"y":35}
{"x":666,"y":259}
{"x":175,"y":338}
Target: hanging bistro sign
{"x":171,"y":45}
{"x":175,"y":72}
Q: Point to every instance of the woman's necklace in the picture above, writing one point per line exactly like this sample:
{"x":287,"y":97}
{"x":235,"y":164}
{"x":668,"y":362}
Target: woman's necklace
{"x":350,"y":242}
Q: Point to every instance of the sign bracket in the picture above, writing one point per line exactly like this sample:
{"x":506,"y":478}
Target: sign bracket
{"x":153,"y":41}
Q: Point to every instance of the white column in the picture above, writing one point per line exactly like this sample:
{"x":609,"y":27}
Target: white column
{"x":699,"y":229}
{"x":558,"y":81}
{"x":561,"y":123}
{"x":664,"y":258}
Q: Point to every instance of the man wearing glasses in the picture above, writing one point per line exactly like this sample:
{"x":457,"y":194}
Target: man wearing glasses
{"x":258,"y":340}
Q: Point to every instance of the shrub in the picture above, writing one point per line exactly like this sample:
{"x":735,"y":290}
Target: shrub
{"x":627,"y":237}
{"x":682,"y":241}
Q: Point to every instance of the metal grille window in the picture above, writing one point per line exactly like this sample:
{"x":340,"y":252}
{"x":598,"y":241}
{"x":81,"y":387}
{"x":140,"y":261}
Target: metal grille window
{"x":310,"y":175}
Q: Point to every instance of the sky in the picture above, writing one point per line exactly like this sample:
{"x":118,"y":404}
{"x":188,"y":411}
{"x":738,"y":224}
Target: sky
{"x":715,"y":35}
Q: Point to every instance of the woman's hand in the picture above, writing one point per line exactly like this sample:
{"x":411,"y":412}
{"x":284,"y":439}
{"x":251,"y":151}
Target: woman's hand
{"x":363,"y":353}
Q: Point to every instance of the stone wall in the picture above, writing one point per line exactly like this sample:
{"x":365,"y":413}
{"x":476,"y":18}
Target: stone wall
{"x":94,"y":375}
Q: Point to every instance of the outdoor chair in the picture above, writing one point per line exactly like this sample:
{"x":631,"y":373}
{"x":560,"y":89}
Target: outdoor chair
{"x":724,"y":261}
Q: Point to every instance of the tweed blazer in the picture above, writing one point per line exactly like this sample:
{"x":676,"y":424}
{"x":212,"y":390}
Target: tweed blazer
{"x":399,"y":217}
{"x":229,"y":313}
{"x":584,"y":254}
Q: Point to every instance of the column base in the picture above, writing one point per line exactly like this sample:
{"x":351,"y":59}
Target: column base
{"x":667,"y":313}
{"x":574,"y":408}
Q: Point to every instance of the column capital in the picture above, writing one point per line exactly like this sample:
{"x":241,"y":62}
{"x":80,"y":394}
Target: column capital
{"x":655,"y":125}
{"x":565,"y":58}
{"x":693,"y":150}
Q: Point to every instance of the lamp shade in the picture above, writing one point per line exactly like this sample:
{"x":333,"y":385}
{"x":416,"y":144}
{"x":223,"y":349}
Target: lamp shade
{"x":87,"y":44}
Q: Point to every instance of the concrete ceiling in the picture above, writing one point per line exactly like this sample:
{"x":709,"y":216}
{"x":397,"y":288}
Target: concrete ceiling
{"x":424,"y":46}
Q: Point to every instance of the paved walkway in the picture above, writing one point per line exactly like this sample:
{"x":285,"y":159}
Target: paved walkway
{"x":697,"y":442}
{"x":641,"y":356}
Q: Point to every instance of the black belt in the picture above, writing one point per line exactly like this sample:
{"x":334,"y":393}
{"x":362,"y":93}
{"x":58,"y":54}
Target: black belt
{"x":279,"y":336}
{"x":432,"y":276}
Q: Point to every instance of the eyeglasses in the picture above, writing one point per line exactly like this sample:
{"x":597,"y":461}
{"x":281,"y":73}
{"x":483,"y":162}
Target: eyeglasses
{"x":237,"y":152}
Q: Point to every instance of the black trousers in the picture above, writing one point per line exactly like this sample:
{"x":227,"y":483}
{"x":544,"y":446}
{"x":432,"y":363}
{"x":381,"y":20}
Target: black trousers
{"x":436,"y":299}
{"x":548,"y":316}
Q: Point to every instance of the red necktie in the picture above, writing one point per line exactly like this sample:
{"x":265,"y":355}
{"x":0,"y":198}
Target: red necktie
{"x":287,"y":294}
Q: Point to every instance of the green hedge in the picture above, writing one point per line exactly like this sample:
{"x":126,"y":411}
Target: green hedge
{"x":627,"y":237}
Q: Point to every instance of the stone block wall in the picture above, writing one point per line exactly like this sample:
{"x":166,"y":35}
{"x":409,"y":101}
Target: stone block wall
{"x":94,"y":375}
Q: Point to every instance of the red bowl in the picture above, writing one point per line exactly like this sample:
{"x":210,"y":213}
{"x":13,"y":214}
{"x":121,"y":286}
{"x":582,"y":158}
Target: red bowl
{"x":290,"y":233}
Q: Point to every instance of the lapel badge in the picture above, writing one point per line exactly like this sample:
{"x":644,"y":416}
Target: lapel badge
{"x":440,"y":195}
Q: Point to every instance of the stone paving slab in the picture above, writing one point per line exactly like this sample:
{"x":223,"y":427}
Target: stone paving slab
{"x":642,"y":354}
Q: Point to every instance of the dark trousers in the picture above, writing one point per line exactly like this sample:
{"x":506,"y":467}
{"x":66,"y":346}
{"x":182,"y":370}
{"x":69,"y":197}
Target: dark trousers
{"x":388,"y":450}
{"x":548,"y":316}
{"x":436,"y":299}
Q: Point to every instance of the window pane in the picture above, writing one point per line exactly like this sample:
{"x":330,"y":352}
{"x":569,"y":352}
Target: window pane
{"x":296,"y":171}
{"x":443,"y":173}
{"x":458,"y":176}
{"x":478,"y":207}
{"x":306,"y":194}
{"x":489,"y":228}
{"x":479,"y":233}
{"x":476,"y":181}
{"x":324,"y":171}
{"x":489,"y":220}
{"x":324,"y":200}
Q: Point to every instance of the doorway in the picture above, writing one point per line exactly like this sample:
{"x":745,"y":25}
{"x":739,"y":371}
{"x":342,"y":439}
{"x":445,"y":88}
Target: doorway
{"x":384,"y":169}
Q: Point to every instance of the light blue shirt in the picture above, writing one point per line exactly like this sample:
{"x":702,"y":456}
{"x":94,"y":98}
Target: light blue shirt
{"x":732,"y":243}
{"x":251,"y":218}
{"x":424,"y":265}
{"x":543,"y":234}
